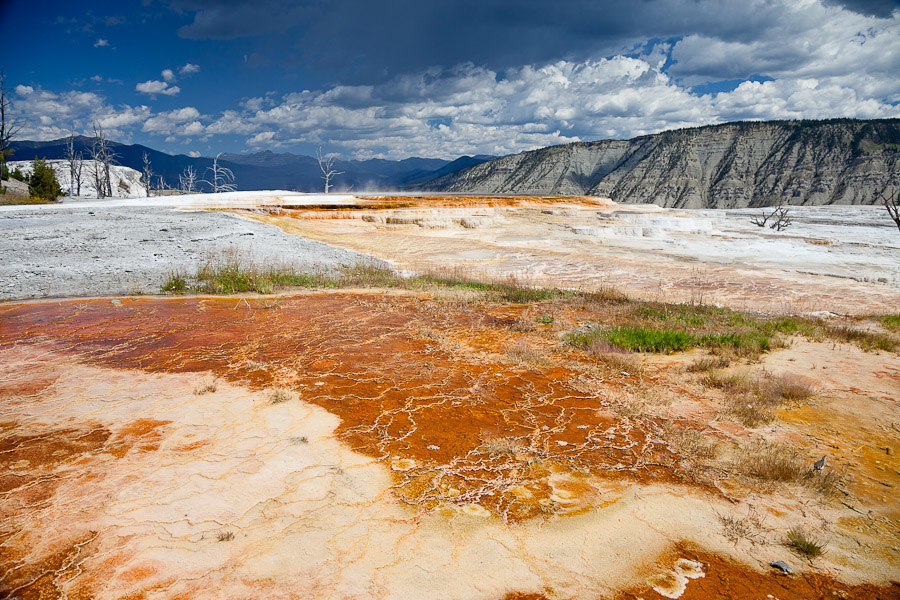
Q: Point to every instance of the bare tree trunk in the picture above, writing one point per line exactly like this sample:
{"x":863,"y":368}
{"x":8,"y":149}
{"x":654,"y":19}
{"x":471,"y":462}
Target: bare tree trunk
{"x":97,"y":162}
{"x":107,"y":160}
{"x":101,"y":152}
{"x":9,"y":127}
{"x":892,"y":204}
{"x":327,"y":167}
{"x":781,"y":216}
{"x":222,"y":177}
{"x":148,"y":173}
{"x":78,"y":167}
{"x":188,"y":180}
{"x":75,"y":163}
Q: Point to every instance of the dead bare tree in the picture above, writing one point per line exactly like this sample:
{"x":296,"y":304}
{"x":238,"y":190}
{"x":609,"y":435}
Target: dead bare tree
{"x":892,"y":204}
{"x":222,"y":177}
{"x":96,"y":172}
{"x":76,"y":163}
{"x":780,"y":218}
{"x":187,"y":181}
{"x":161,"y":184}
{"x":327,"y":166}
{"x":103,"y":158}
{"x":9,"y":127}
{"x":147,"y":175}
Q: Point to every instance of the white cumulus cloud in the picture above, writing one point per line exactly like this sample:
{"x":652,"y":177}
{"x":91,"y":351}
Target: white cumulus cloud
{"x":170,"y":122}
{"x":49,"y":115}
{"x":154,"y":87}
{"x":263,"y":138}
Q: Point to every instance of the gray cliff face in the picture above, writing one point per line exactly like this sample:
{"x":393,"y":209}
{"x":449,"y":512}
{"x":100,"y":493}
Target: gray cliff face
{"x":722,"y":166}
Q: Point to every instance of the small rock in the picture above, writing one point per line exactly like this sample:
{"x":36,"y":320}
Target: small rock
{"x":117,"y":302}
{"x":781,"y":566}
{"x":624,"y":373}
{"x":433,"y":447}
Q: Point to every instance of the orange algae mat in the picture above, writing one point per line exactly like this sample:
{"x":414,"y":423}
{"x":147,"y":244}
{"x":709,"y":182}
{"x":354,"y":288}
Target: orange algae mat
{"x":458,"y":423}
{"x":419,"y":384}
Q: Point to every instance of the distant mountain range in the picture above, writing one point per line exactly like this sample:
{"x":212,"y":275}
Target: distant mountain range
{"x":266,"y":170}
{"x":734,"y":165}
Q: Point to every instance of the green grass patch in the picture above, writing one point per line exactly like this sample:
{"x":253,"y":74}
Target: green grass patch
{"x":234,"y":278}
{"x":891,"y":322}
{"x":638,"y":339}
{"x":800,"y":542}
{"x":641,"y":338}
{"x":175,"y":283}
{"x":753,"y":340}
{"x":233,"y":274}
{"x":623,"y":324}
{"x":14,"y":200}
{"x":866,"y":340}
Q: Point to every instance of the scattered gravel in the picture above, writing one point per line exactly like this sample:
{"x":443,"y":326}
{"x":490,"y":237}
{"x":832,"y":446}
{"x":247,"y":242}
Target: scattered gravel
{"x":97,"y":250}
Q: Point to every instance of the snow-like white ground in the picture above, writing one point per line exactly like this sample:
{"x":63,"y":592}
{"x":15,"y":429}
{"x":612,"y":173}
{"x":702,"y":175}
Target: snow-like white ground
{"x":241,"y":199}
{"x":126,"y":182}
{"x":853,"y":242}
{"x":127,"y":246}
{"x":83,"y":247}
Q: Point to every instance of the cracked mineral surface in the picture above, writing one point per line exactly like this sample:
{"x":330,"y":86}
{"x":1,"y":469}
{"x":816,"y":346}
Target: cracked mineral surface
{"x":429,"y":444}
{"x":144,"y":455}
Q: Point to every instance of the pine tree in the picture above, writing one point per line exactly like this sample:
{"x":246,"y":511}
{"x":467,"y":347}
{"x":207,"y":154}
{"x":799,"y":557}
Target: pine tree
{"x":42,"y":183}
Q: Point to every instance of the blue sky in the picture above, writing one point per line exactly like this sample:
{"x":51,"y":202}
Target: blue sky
{"x":401,"y":78}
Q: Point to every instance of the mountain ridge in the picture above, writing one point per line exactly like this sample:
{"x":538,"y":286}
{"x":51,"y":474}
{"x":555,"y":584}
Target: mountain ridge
{"x":259,"y":171}
{"x":731,"y":165}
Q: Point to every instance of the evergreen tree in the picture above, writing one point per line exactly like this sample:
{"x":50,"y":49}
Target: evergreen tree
{"x":42,"y":183}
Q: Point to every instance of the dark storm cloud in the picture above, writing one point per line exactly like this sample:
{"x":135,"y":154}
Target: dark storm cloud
{"x":363,"y":40}
{"x":882,"y":9}
{"x":227,"y":20}
{"x":400,"y":78}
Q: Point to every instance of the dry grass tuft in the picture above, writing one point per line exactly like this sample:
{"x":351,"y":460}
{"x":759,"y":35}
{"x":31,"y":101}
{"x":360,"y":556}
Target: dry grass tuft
{"x":709,"y":363}
{"x":208,"y":388}
{"x":280,"y":395}
{"x":622,"y":364}
{"x":750,"y":400}
{"x":866,"y":340}
{"x":771,"y":462}
{"x":523,"y":354}
{"x":777,"y":463}
{"x":630,"y":408}
{"x":691,"y":442}
{"x":787,"y":387}
{"x":748,"y":528}
{"x":737,"y":382}
{"x":745,"y":411}
{"x":225,"y":536}
{"x":504,"y":446}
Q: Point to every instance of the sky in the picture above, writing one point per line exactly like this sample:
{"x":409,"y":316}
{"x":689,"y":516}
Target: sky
{"x":399,"y":78}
